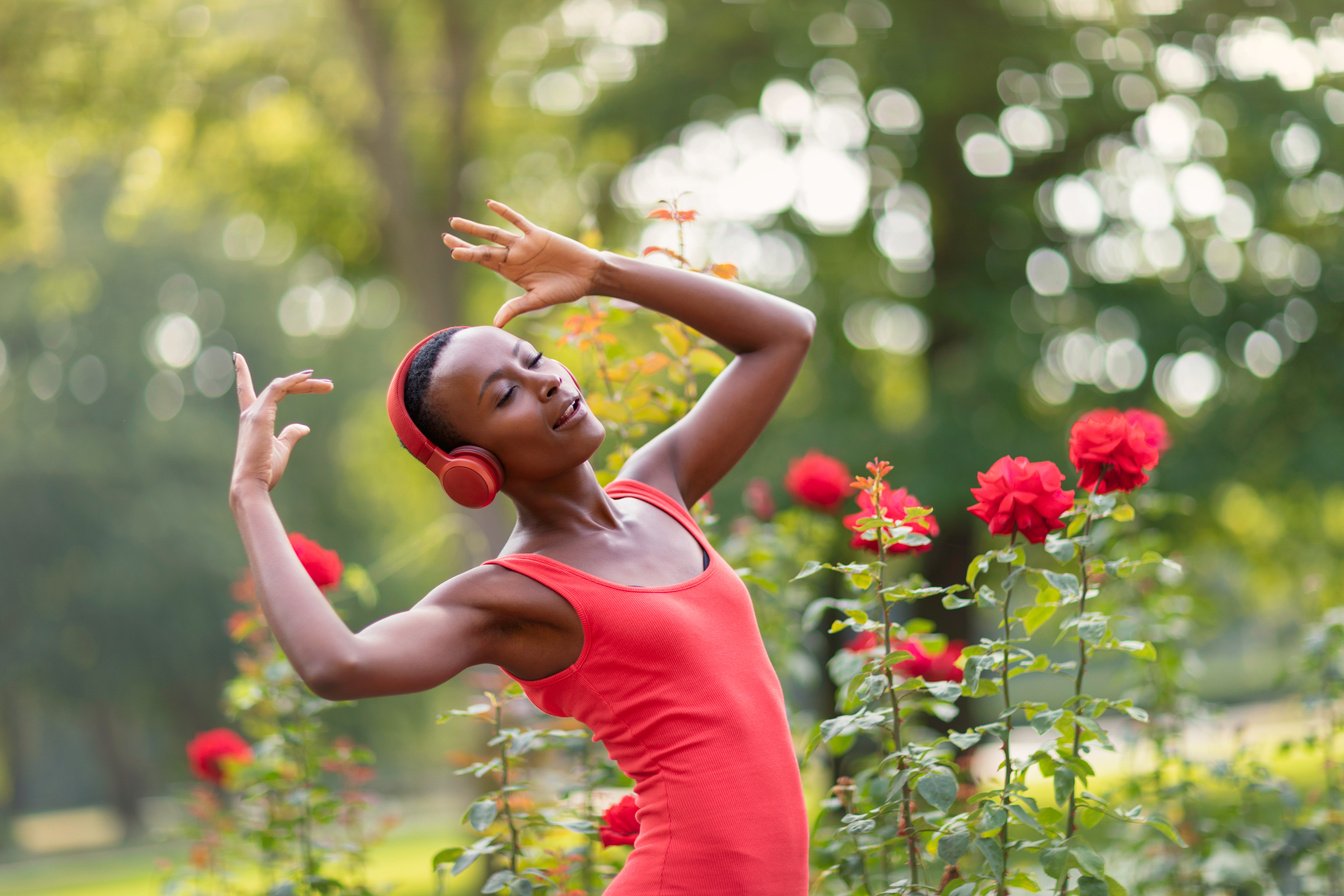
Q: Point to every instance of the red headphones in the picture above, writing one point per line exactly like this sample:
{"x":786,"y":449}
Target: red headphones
{"x":471,"y":476}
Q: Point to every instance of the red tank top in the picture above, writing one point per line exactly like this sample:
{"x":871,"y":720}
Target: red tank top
{"x":675,"y":681}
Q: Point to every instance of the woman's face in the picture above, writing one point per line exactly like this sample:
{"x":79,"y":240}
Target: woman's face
{"x":504,"y":396}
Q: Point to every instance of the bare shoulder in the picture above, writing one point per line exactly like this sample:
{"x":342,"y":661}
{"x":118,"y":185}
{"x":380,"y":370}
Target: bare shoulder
{"x":655,"y":465}
{"x":508,"y":600}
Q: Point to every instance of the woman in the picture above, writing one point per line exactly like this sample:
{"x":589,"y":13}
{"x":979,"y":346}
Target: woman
{"x":606,"y":605}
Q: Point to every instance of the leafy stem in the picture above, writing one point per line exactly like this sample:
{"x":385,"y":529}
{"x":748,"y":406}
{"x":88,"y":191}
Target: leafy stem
{"x":1070,"y":824}
{"x":1005,"y":796}
{"x":514,"y":845}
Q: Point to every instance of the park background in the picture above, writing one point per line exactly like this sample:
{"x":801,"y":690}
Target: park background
{"x":1002,"y":214}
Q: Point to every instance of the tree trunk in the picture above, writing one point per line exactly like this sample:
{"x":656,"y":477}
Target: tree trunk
{"x":125,"y":776}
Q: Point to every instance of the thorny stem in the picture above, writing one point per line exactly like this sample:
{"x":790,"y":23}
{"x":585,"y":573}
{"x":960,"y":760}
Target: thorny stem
{"x":1007,"y":734}
{"x":504,"y":786}
{"x":907,"y":824}
{"x":1069,"y":826}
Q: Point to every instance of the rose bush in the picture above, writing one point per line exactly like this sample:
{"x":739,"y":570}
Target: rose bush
{"x":1016,"y":495}
{"x":895,"y":503}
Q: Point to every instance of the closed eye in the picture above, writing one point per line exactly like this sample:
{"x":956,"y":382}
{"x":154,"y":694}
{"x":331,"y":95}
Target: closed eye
{"x":503,"y":400}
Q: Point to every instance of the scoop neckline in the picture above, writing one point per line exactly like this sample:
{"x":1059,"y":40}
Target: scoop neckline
{"x":693,"y":531}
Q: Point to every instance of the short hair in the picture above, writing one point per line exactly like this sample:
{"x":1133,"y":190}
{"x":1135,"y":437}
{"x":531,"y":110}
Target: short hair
{"x":419,"y":378}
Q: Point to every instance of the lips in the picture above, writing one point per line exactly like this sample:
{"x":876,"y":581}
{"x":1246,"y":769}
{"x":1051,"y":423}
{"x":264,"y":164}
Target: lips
{"x":571,"y":411}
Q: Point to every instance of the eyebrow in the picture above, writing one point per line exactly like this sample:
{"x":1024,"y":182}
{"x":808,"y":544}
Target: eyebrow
{"x":517,"y":347}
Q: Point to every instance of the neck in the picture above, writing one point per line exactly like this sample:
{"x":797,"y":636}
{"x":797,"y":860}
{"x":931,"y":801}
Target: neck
{"x":572,"y":503}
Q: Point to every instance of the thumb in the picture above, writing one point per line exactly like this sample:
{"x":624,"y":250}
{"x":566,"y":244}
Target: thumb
{"x":292,"y":433}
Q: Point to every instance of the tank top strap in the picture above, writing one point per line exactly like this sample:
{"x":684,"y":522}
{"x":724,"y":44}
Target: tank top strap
{"x":560,"y":578}
{"x":633,"y":488}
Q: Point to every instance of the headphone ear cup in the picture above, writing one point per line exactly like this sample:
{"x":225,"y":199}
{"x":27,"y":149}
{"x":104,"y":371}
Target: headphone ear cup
{"x":471,"y":476}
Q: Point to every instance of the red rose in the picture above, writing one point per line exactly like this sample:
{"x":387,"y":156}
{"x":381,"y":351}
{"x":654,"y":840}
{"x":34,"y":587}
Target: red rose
{"x":941,"y":666}
{"x":863,"y":641}
{"x":895,"y":502}
{"x":817,"y":480}
{"x":1016,"y":495}
{"x":322,"y":565}
{"x":944,"y":665}
{"x":1110,"y":453}
{"x":759,"y":501}
{"x":207,"y":749}
{"x":620,"y":827}
{"x":1154,"y":428}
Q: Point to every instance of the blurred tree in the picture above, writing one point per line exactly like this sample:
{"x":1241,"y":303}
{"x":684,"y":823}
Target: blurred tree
{"x":1002,"y":215}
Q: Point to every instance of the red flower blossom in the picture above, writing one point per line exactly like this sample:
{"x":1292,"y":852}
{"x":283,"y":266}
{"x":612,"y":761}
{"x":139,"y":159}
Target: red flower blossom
{"x":759,"y":500}
{"x":1016,"y":495}
{"x":895,"y":502}
{"x":1111,"y":453}
{"x":863,"y":641}
{"x":817,"y":480}
{"x":941,"y":666}
{"x":322,"y":565}
{"x":1154,"y":428}
{"x":207,"y":749}
{"x":620,"y":827}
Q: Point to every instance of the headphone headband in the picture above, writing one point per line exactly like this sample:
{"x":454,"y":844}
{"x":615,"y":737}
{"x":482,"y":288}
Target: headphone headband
{"x":421,"y":448}
{"x":471,"y":476}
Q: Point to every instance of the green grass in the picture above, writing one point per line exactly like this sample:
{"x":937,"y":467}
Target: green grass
{"x":401,"y":862}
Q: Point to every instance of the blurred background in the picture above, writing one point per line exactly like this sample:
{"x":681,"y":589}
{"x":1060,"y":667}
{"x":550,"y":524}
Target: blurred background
{"x":1002,"y":213}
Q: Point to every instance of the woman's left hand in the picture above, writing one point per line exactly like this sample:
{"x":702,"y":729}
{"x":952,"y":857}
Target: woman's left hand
{"x":552,"y":268}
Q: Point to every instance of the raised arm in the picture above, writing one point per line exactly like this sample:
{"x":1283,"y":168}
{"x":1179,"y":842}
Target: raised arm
{"x":450,"y":629}
{"x":769,"y":335}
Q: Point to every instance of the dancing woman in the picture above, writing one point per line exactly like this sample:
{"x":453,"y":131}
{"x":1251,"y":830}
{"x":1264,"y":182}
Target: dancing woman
{"x":606,"y":605}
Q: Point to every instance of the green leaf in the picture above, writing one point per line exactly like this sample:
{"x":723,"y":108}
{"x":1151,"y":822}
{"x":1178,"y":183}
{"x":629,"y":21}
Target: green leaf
{"x":521,"y":887}
{"x":497,"y":881}
{"x":939,"y":788}
{"x":1064,"y":781}
{"x":1088,"y":860}
{"x":1123,"y":514}
{"x":944,"y":690}
{"x":1092,"y":627}
{"x":444,"y":856}
{"x":1055,"y":860}
{"x":1036,"y":617}
{"x":992,"y":853}
{"x":1065,"y":582}
{"x":1091,"y":886}
{"x":482,"y":813}
{"x":953,"y":845}
{"x":809,"y":568}
{"x":964,"y":740}
{"x":1061,"y":549}
{"x":1142,"y":650}
{"x":1163,"y":827}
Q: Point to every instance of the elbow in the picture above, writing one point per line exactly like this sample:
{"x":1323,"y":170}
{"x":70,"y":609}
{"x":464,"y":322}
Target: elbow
{"x":334,"y":680}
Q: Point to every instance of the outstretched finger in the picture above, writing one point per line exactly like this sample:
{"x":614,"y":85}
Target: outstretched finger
{"x":291,"y":434}
{"x":281,"y":386}
{"x":516,"y":306}
{"x":485,"y":231}
{"x":491,"y":256}
{"x":243,"y":377}
{"x":510,"y":215}
{"x":456,"y":242}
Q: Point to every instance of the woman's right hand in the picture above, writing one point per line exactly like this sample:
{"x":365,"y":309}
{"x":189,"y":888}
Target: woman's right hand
{"x":262,"y":455}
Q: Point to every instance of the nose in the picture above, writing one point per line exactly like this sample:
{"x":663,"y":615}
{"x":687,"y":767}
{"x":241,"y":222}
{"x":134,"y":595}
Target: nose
{"x":549,"y":384}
